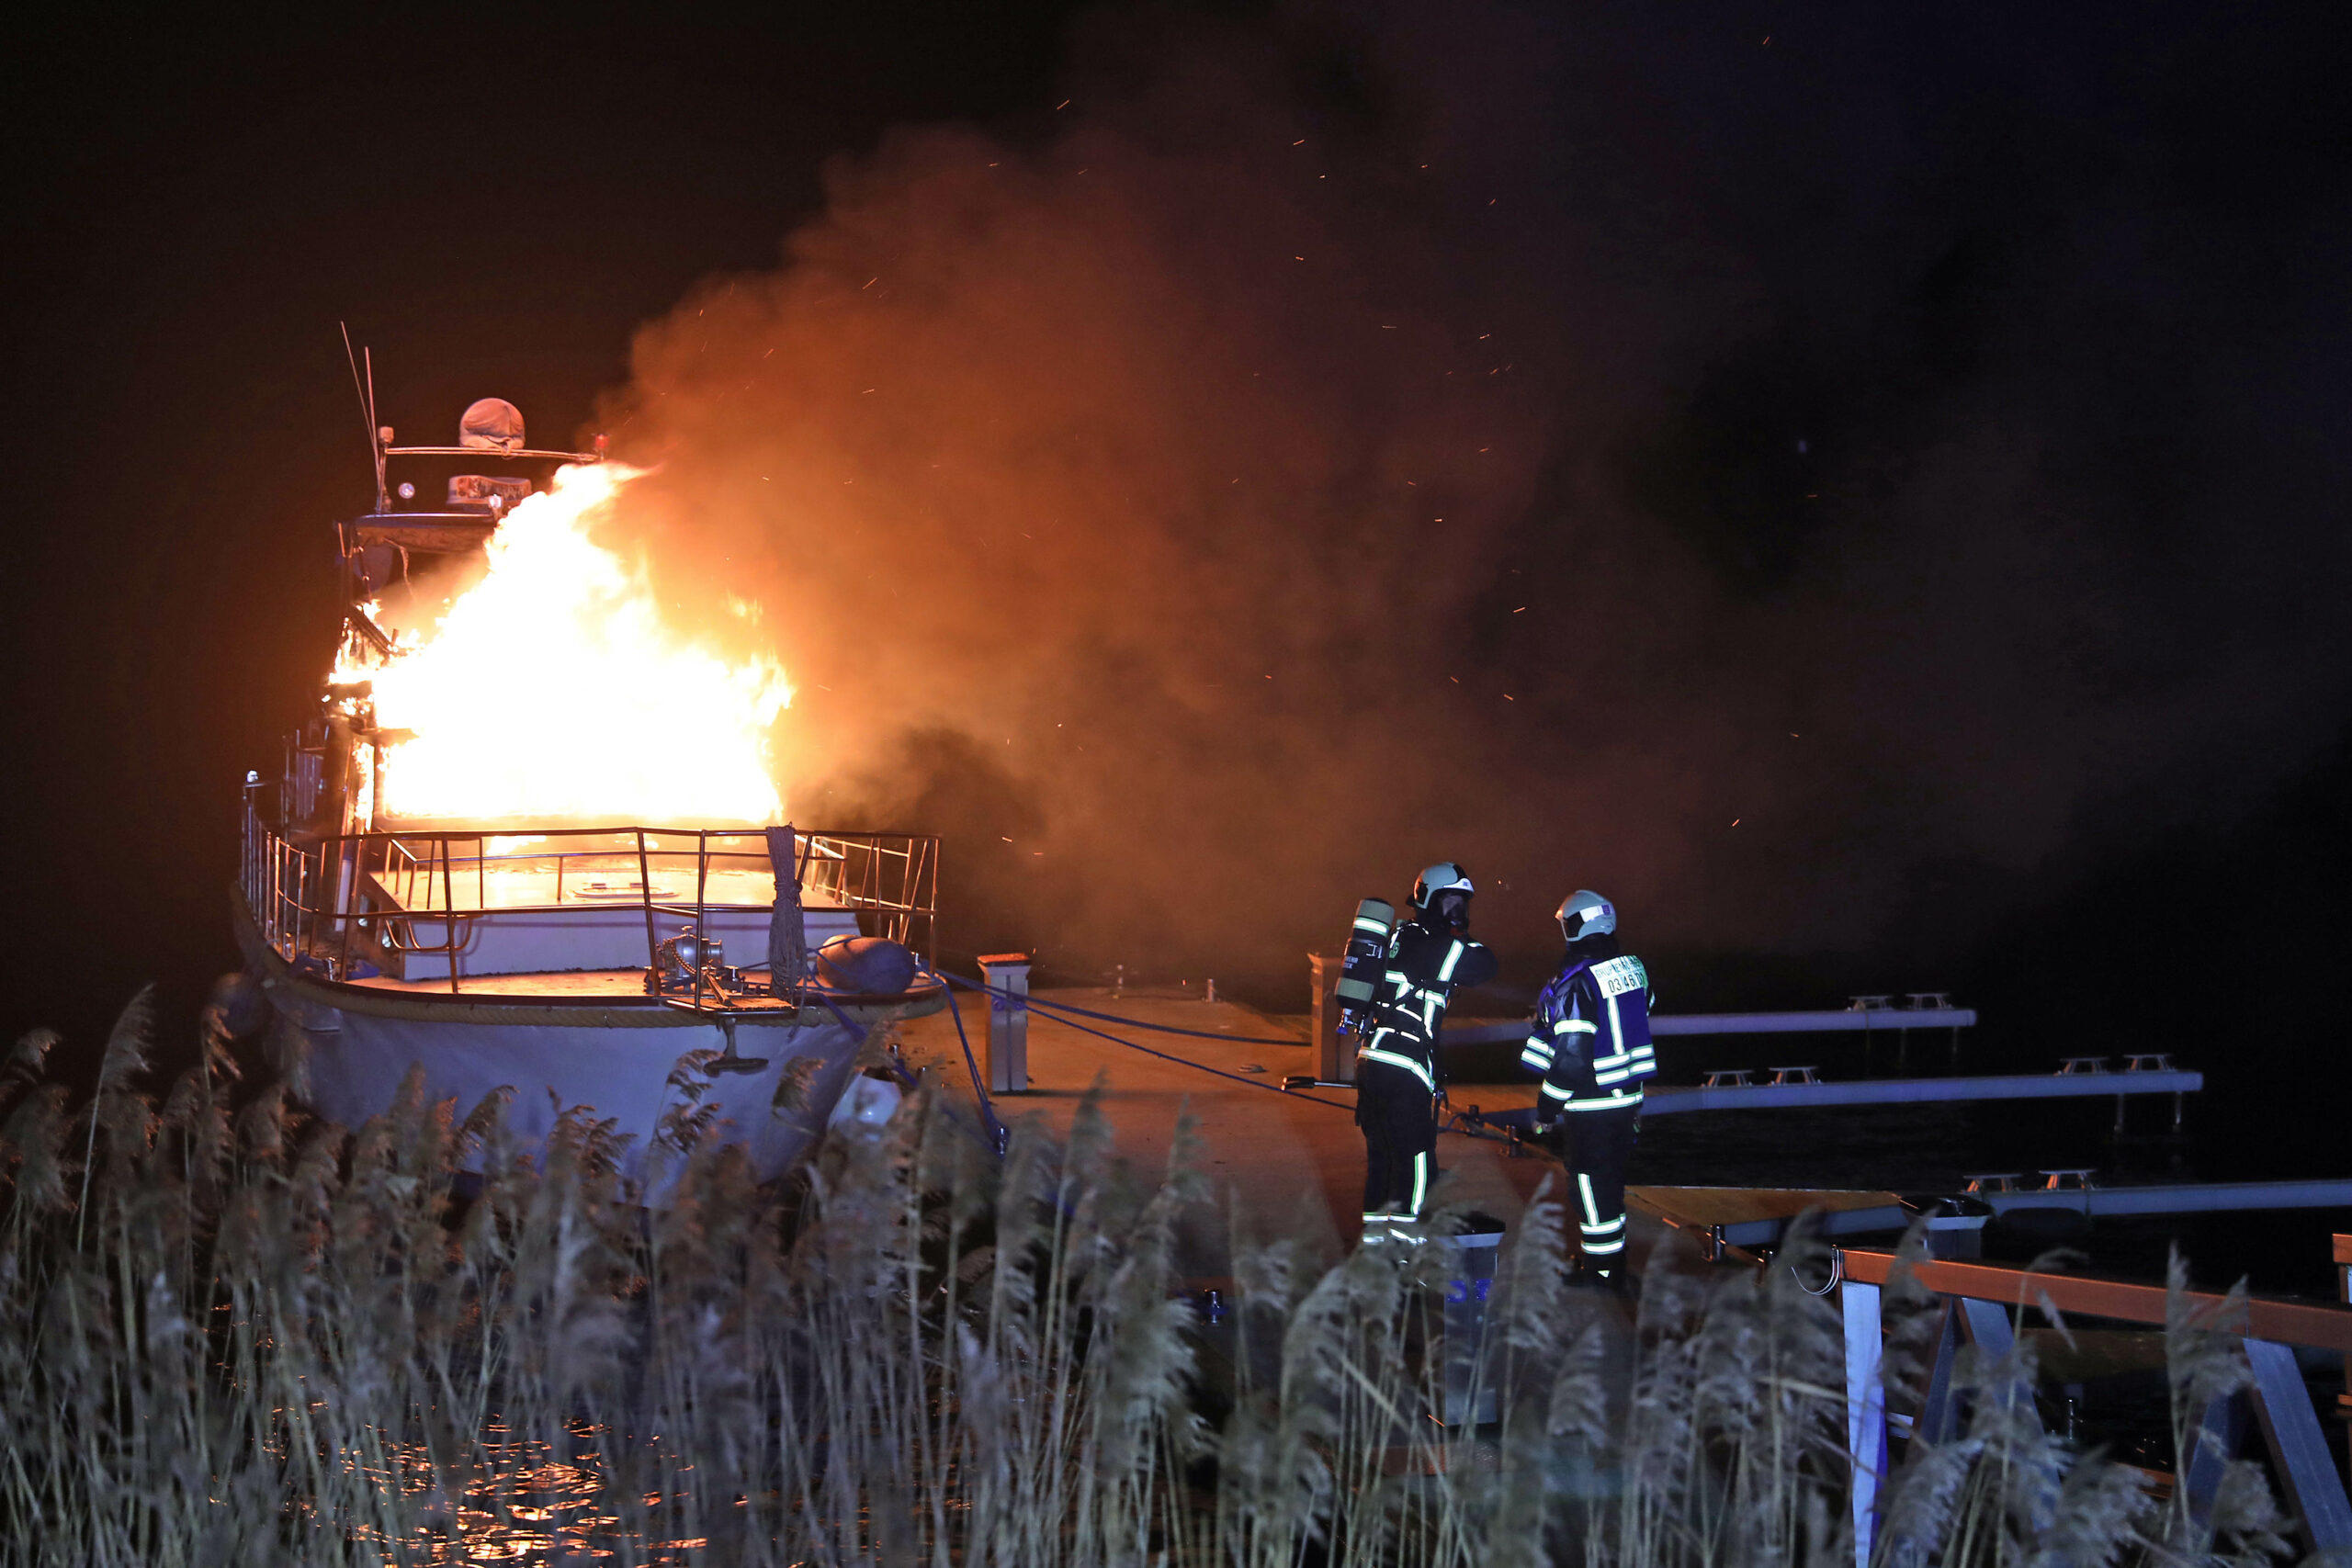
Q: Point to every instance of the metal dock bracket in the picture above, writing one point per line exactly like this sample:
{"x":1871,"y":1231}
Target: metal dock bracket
{"x":1979,"y":1298}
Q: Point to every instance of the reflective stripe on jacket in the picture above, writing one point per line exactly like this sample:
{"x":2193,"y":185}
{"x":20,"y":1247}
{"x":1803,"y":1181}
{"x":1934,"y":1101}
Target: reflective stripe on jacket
{"x":1425,"y":968}
{"x":1591,"y":1035}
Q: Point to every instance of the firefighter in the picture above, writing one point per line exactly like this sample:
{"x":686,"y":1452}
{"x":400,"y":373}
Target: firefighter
{"x":1397,"y":1076}
{"x":1591,"y":1042}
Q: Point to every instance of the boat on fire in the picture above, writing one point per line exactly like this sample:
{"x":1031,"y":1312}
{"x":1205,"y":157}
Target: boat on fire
{"x":574,"y":952}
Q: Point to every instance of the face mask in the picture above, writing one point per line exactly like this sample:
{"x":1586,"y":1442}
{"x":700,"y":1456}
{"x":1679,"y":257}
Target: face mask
{"x":1453,"y":910}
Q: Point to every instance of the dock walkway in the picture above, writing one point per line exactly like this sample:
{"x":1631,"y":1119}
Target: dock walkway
{"x":1288,"y":1164}
{"x":1281,"y":1164}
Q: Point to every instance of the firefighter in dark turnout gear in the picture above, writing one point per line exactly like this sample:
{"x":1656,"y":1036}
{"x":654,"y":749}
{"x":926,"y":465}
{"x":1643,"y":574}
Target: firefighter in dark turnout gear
{"x":1591,"y":1043}
{"x":1397,"y":1073}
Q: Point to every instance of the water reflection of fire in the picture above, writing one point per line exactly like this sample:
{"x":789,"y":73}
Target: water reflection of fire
{"x":515,"y":1503}
{"x":554,"y":689}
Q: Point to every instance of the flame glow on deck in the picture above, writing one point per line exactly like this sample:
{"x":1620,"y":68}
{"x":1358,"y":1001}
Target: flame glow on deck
{"x":554,"y":689}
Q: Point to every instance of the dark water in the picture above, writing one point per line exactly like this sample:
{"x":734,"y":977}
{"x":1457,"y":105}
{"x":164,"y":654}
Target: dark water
{"x":1928,"y":1150}
{"x":1931,"y":1149}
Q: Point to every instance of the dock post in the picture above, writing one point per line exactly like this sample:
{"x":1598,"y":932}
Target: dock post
{"x":1939,"y":1415}
{"x":2343,"y":1245}
{"x":1006,"y":974}
{"x":1865,"y":1410}
{"x":2210,"y":1447}
{"x":2297,"y":1447}
{"x":1333,"y":1061}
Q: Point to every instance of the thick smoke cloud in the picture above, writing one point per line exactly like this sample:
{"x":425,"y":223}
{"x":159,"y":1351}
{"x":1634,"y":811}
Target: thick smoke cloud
{"x":1332,"y":444}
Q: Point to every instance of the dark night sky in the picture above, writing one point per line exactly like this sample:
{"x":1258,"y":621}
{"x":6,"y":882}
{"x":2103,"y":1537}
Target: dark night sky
{"x":2055,"y":299}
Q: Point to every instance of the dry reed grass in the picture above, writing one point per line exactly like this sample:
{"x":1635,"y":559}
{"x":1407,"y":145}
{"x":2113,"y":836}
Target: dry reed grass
{"x":230,"y":1333}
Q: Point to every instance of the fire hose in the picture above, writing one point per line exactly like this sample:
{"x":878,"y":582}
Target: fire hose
{"x":1471,"y":1126}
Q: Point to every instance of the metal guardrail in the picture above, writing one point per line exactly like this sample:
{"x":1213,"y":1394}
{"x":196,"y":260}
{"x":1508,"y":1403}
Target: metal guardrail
{"x":1914,"y":1091}
{"x":1672,"y":1099}
{"x":366,"y":891}
{"x":1841,"y":1021}
{"x":1978,"y":1301}
{"x":2092,"y":1202}
{"x":2178,"y":1197}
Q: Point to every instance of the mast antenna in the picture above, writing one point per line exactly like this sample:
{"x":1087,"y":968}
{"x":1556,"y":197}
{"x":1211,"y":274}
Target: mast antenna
{"x":375,"y":431}
{"x":367,"y":391}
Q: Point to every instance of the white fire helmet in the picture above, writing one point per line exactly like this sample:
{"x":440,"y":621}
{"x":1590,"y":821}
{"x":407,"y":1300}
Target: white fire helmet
{"x":1586,"y":913}
{"x":1443,"y":877}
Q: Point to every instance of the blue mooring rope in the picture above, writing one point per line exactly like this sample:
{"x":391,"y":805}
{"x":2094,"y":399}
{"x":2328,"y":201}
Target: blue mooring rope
{"x":994,"y":1128}
{"x":999,"y":1137}
{"x":1161,"y":1028}
{"x":997,"y":1134}
{"x":1197,"y":1066}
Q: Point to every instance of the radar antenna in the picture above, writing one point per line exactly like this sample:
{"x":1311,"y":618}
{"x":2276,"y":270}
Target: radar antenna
{"x":367,"y":390}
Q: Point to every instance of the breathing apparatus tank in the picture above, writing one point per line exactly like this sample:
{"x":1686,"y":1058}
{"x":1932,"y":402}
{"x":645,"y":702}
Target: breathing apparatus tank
{"x":1366,"y":963}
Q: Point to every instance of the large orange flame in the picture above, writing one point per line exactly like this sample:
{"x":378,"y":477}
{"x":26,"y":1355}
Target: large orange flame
{"x":552,"y":689}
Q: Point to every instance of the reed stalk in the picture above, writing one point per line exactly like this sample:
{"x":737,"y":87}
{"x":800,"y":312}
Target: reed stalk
{"x":232,"y":1334}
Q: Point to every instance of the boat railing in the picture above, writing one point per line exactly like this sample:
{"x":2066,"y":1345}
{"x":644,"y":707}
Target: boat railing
{"x":333,"y":899}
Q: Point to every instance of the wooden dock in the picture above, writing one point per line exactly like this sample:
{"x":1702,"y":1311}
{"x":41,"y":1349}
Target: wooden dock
{"x":1282,"y":1164}
{"x":1291,"y":1164}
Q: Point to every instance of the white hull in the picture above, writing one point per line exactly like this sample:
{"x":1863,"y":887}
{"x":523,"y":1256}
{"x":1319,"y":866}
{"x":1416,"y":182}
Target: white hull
{"x":614,"y":1056}
{"x":357,"y":1062}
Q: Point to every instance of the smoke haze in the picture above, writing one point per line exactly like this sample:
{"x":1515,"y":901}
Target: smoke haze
{"x":1765,"y":480}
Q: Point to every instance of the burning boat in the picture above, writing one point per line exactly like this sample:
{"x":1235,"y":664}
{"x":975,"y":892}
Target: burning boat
{"x":529,"y":838}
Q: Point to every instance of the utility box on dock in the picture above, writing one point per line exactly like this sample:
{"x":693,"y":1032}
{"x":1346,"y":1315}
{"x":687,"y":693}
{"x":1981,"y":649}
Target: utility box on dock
{"x":1470,"y":1374}
{"x":1006,"y":974}
{"x":1335,"y":1058}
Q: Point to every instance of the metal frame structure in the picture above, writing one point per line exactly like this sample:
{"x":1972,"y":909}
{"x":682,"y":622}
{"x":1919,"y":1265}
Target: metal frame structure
{"x":345,"y":881}
{"x":325,"y":878}
{"x":1674,"y":1099}
{"x":1841,"y":1021}
{"x":1979,"y":1299}
{"x":311,"y":900}
{"x":495,"y":454}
